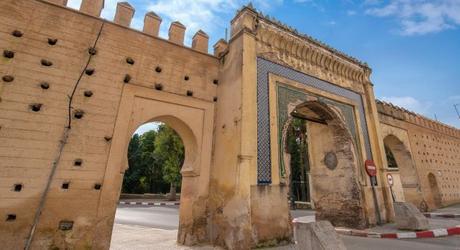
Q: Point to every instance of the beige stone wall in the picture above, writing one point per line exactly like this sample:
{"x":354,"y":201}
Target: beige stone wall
{"x":159,"y":71}
{"x":434,"y":148}
{"x":282,"y":45}
{"x":75,"y":87}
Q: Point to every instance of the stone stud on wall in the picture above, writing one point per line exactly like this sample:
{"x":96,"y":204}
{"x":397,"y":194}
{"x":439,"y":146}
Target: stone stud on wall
{"x":88,"y":93}
{"x":189,"y":93}
{"x":107,"y":138}
{"x":92,"y":51}
{"x":10,"y":217}
{"x":45,"y":85}
{"x":17,"y":33}
{"x":36,"y":107}
{"x":46,"y":63}
{"x":78,"y":114}
{"x":215,"y":81}
{"x":158,"y":69}
{"x":8,"y":54}
{"x":97,"y":186}
{"x":127,"y":78}
{"x":330,"y":160}
{"x":158,"y":86}
{"x":152,"y":24}
{"x":52,"y":41}
{"x":215,"y":99}
{"x":200,"y":41}
{"x":65,"y":225}
{"x":17,"y":187}
{"x":186,"y":78}
{"x":90,"y":71}
{"x":130,"y":61}
{"x":65,"y":185}
{"x":177,"y":33}
{"x":124,"y":14}
{"x":8,"y":78}
{"x":92,"y":7}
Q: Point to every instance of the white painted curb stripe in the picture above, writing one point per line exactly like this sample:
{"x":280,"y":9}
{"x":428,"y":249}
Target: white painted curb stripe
{"x":145,"y":203}
{"x":440,"y":232}
{"x":132,"y":203}
{"x":410,"y":235}
{"x":374,"y":235}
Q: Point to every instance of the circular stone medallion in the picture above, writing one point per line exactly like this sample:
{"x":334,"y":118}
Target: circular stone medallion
{"x":330,"y":159}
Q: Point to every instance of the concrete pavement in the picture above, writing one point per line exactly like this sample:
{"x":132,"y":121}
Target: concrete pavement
{"x":141,"y":227}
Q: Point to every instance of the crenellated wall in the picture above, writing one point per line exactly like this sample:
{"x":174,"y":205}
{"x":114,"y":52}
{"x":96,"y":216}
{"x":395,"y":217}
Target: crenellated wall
{"x":63,"y":75}
{"x":75,"y":87}
{"x":434,"y":149}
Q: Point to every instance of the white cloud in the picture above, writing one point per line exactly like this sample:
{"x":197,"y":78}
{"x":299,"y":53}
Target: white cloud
{"x":201,"y":14}
{"x":409,"y":103}
{"x":74,"y":4}
{"x":147,"y":127}
{"x":418,"y":17}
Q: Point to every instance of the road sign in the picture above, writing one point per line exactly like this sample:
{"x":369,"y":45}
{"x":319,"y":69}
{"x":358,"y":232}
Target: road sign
{"x":390,"y":179}
{"x":371,"y":169}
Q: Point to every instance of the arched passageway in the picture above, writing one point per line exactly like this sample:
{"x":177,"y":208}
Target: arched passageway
{"x":400,"y":160}
{"x":330,"y":157}
{"x":193,"y":122}
{"x":155,"y":158}
{"x":434,"y":190}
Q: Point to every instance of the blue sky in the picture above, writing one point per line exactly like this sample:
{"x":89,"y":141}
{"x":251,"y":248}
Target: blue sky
{"x":413,"y":46}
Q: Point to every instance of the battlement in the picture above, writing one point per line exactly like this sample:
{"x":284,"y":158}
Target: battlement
{"x":294,"y":31}
{"x":152,"y":22}
{"x":403,"y":114}
{"x":307,"y":54}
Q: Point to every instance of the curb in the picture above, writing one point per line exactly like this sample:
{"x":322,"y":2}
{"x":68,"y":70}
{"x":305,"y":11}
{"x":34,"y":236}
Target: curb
{"x":434,"y":233}
{"x":149,"y":203}
{"x":441,"y":215}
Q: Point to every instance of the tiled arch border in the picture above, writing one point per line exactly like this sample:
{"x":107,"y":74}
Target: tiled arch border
{"x":264,"y":68}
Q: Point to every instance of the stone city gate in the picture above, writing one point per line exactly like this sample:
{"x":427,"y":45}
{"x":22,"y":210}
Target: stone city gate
{"x":74,"y":87}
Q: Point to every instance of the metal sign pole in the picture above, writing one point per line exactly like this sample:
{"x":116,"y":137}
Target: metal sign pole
{"x":390,"y":184}
{"x":392,"y":194}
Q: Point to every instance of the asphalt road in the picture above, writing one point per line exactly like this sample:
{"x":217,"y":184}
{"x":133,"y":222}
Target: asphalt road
{"x":168,"y":218}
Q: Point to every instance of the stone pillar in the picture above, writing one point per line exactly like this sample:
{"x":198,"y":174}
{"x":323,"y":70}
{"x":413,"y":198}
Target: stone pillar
{"x":92,"y":7}
{"x":200,"y":41}
{"x":384,"y":200}
{"x":220,"y":47}
{"x":152,"y":24}
{"x":124,"y":14}
{"x":177,"y":33}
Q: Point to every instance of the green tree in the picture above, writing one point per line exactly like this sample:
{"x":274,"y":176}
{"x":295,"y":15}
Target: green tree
{"x":134,"y":172}
{"x":151,"y":171}
{"x":169,"y":152}
{"x":297,"y":147}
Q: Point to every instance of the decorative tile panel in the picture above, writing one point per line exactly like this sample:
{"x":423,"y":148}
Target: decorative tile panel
{"x":264,"y":67}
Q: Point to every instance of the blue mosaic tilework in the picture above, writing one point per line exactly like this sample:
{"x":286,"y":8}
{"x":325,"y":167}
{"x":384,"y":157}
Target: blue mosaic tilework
{"x":264,"y":67}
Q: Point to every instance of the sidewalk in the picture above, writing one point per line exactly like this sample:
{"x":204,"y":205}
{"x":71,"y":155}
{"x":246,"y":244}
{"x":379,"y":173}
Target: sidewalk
{"x":437,"y":227}
{"x":452,"y":209}
{"x":143,"y":238}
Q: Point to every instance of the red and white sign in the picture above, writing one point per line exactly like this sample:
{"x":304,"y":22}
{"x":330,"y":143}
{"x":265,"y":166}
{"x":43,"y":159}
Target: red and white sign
{"x":390,"y":179}
{"x":371,"y":169}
